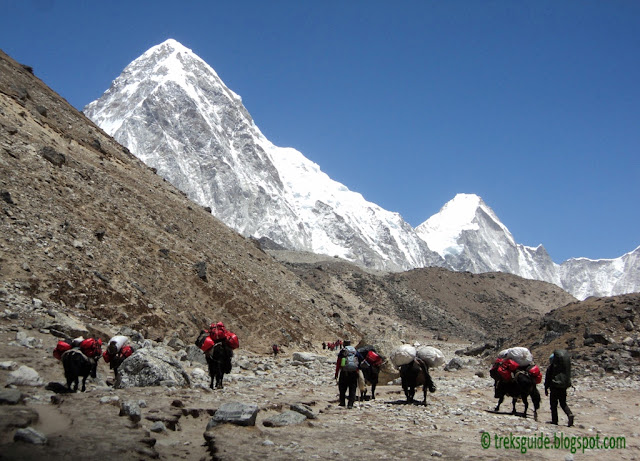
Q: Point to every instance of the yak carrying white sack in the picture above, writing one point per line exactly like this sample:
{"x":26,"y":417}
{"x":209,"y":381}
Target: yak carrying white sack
{"x":402,"y":355}
{"x":430,"y":355}
{"x":521,"y":355}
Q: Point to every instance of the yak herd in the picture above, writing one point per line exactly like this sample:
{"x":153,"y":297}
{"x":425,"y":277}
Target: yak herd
{"x":413,"y":374}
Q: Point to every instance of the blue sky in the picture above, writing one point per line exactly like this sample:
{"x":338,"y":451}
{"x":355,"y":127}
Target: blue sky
{"x":533,"y":105}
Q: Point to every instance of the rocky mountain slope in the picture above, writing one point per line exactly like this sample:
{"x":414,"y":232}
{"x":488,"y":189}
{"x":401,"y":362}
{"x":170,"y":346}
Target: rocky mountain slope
{"x":435,"y":301}
{"x":601,"y":333}
{"x":88,"y":229}
{"x":175,"y":113}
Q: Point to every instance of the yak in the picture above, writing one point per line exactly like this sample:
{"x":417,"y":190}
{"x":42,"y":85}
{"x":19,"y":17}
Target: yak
{"x":218,"y":360}
{"x":521,"y":386}
{"x":414,"y":374}
{"x":77,"y":364}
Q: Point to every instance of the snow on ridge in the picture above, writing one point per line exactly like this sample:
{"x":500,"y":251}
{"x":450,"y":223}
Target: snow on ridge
{"x":582,"y":258}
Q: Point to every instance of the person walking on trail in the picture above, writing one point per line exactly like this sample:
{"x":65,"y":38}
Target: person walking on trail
{"x":347,"y":367}
{"x":275,"y":349}
{"x":558,"y":379}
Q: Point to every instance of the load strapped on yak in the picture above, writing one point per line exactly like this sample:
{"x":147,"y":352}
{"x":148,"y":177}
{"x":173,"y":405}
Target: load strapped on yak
{"x":402,"y":355}
{"x":117,"y":348}
{"x":371,"y":357}
{"x":431,"y":356}
{"x":219,"y":334}
{"x":511,"y":361}
{"x":90,"y":347}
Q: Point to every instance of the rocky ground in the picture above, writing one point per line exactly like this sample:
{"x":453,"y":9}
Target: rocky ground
{"x":170,"y":422}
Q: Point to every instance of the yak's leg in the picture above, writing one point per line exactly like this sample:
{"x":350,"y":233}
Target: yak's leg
{"x":219,"y":377}
{"x":84,"y":382}
{"x":535,"y":398}
{"x":515,"y":399}
{"x":500,"y":400}
{"x":373,"y":391}
{"x":526,"y":404}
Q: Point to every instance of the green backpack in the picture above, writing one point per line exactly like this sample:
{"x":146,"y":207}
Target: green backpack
{"x":561,"y":369}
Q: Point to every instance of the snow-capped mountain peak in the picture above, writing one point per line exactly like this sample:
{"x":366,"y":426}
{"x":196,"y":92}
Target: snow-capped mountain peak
{"x":171,"y":109}
{"x":442,"y":231}
{"x":181,"y":119}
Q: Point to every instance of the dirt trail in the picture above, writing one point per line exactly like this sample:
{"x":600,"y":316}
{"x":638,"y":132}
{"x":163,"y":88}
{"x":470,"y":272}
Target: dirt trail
{"x":450,"y":427}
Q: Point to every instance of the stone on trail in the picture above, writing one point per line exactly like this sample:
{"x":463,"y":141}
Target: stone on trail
{"x":237,"y":413}
{"x":25,"y":376}
{"x":454,"y":364}
{"x":30,"y":435}
{"x":132,"y":410}
{"x":304,"y":410}
{"x":287,"y":418}
{"x":11,"y":396}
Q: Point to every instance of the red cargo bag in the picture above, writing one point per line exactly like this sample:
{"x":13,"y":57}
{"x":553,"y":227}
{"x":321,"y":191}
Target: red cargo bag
{"x":207,"y":344}
{"x":60,"y":349}
{"x":374,"y":359}
{"x":232,"y":340}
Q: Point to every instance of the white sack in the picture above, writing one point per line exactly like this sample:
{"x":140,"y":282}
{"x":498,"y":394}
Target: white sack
{"x":402,"y":355}
{"x":116,"y":343}
{"x":431,"y":356}
{"x":521,"y":355}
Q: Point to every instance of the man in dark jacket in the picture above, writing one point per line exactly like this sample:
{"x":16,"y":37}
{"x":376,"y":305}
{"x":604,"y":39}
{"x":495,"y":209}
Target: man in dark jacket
{"x":558,"y":379}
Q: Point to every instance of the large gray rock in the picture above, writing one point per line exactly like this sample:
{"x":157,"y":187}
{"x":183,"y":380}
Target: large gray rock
{"x":25,"y":376}
{"x":237,"y":413}
{"x":151,"y":367}
{"x":286,"y":418}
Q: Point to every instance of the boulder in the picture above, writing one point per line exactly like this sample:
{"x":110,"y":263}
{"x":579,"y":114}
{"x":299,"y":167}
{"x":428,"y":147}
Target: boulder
{"x":25,"y":376}
{"x":454,"y":364}
{"x":151,"y":367}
